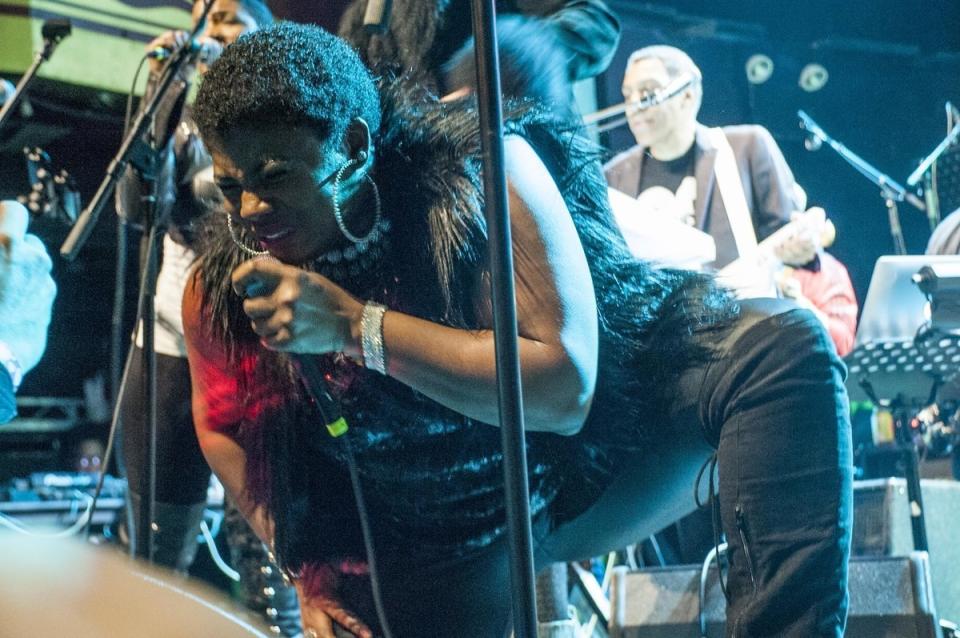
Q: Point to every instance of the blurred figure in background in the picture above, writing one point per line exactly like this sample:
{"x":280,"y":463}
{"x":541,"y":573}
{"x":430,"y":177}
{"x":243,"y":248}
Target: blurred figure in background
{"x":945,"y":239}
{"x":424,"y":35}
{"x":827,"y":292}
{"x":26,"y":300}
{"x":186,"y":193}
{"x":732,"y":182}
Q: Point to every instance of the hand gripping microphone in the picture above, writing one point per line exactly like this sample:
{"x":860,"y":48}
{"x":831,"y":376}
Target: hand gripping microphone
{"x":313,"y":381}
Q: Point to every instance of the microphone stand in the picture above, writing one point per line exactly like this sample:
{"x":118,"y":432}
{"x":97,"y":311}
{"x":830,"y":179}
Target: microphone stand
{"x":497,"y":213}
{"x":890,"y":190}
{"x":924,"y":167}
{"x":145,"y":157}
{"x":53,"y":31}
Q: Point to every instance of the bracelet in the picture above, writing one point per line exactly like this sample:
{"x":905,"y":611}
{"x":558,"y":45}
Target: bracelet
{"x":371,"y":337}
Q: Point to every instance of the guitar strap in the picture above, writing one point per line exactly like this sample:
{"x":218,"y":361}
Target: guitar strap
{"x":731,"y":192}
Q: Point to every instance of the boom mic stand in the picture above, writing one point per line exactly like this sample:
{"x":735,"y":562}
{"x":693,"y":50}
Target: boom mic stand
{"x":145,"y":158}
{"x":924,"y":167}
{"x":53,"y":31}
{"x":891,"y":191}
{"x":497,"y":213}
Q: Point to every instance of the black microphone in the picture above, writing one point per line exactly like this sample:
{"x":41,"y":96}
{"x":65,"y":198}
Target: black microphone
{"x":205,"y":50}
{"x":376,"y":19}
{"x":313,"y":381}
{"x":811,"y":142}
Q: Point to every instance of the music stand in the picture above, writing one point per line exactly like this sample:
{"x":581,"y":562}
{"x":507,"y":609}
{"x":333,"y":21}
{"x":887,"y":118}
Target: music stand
{"x":900,"y":360}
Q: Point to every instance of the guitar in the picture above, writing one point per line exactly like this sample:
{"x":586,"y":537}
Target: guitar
{"x":755,"y":275}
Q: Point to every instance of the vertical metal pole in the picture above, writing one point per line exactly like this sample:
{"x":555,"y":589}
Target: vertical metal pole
{"x":504,"y":320}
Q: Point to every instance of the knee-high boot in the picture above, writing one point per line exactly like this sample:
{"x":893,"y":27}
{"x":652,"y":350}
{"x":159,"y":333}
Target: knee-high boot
{"x":262,"y":587}
{"x":176,"y":530}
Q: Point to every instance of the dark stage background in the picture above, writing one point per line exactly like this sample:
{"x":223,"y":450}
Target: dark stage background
{"x":892,"y":64}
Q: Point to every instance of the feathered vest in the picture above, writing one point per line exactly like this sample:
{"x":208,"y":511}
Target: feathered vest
{"x":432,"y":477}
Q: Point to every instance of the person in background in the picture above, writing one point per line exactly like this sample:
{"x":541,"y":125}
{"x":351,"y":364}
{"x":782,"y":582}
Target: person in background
{"x":732,"y":182}
{"x":828,"y":293}
{"x":186,"y":193}
{"x":27,"y":292}
{"x":424,"y":36}
{"x":945,"y":239}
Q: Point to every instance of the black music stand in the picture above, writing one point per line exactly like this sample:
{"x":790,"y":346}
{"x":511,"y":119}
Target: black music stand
{"x":901,"y":359}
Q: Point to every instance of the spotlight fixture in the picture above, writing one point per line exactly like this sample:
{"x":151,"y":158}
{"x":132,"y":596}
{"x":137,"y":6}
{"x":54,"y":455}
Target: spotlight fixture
{"x":813,"y":77}
{"x":759,"y":68}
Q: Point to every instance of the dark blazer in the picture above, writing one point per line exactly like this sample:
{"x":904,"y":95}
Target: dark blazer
{"x":768,"y":184}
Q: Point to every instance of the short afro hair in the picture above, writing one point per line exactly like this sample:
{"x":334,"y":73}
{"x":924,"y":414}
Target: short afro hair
{"x":287,"y":74}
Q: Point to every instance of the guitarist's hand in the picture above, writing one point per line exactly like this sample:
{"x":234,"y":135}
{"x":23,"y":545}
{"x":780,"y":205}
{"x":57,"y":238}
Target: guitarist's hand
{"x":802,"y":245}
{"x":26,"y":287}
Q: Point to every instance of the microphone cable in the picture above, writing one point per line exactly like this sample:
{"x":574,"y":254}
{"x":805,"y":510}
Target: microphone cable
{"x":336,"y":425}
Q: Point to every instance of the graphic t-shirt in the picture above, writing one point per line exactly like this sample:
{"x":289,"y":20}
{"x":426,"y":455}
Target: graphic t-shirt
{"x":669,"y":187}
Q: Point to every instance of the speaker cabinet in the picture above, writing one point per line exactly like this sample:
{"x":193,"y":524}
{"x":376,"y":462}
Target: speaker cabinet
{"x":881,"y":527}
{"x":890,"y":597}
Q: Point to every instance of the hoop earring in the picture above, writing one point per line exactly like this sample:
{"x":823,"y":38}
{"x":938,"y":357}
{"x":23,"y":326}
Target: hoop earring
{"x":338,"y":213}
{"x":241,"y":245}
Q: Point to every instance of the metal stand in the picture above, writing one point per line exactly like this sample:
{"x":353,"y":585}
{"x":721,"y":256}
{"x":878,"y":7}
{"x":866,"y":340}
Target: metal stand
{"x":902,"y":413}
{"x":497,"y":213}
{"x":53,"y":31}
{"x":924,"y":169}
{"x":891,"y":191}
{"x":145,"y":158}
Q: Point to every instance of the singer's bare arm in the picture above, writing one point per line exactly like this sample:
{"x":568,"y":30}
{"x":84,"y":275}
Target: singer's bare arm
{"x":557,"y":317}
{"x":216,"y":409}
{"x":216,"y":413}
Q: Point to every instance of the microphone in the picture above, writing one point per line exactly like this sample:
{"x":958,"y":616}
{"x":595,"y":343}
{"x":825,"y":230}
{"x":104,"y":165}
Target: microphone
{"x":811,"y":142}
{"x":813,"y":135}
{"x":313,"y":380}
{"x":376,"y":19}
{"x":316,"y":385}
{"x":205,"y":50}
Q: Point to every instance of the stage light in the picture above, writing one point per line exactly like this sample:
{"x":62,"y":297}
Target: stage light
{"x":759,"y":68}
{"x":813,"y":77}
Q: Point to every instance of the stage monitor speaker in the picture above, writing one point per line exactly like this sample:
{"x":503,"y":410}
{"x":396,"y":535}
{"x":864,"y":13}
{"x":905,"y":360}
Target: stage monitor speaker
{"x":890,"y":597}
{"x":881,"y":527}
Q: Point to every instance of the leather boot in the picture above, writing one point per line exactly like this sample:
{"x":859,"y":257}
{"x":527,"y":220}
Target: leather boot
{"x":262,"y":587}
{"x":175,"y":534}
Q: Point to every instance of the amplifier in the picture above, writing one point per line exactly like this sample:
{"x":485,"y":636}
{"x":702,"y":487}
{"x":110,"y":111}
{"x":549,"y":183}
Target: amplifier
{"x":881,"y":527}
{"x":105,"y":47}
{"x":890,"y":597}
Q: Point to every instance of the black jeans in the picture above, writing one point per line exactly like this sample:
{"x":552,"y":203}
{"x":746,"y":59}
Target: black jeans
{"x":774,"y":407}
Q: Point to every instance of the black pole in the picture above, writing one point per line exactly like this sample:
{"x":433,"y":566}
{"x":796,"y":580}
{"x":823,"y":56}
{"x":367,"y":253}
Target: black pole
{"x":911,"y":473}
{"x":497,"y":214}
